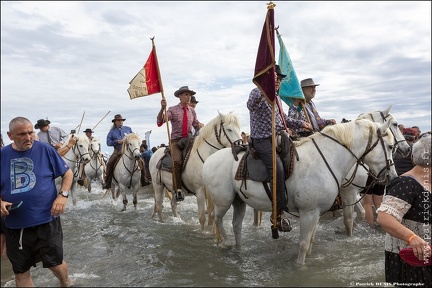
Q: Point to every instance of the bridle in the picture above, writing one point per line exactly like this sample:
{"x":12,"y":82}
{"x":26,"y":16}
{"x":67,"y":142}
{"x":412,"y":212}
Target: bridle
{"x":79,"y":157}
{"x":218,"y":135}
{"x":385,"y":118}
{"x":96,"y":156}
{"x":360,"y":160}
{"x":135,"y":162}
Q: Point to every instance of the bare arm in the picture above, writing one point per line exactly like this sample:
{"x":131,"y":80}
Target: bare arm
{"x":63,"y":150}
{"x":396,"y":229}
{"x":59,"y":204}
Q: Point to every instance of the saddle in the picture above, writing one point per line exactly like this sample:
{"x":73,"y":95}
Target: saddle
{"x":251,"y":167}
{"x":185,"y":144}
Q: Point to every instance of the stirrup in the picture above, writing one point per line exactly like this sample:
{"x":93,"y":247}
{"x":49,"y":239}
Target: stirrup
{"x":283,"y":225}
{"x":179,"y":196}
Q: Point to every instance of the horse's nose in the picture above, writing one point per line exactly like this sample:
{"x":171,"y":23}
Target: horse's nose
{"x":137,"y":157}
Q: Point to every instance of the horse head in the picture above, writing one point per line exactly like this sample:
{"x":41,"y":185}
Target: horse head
{"x":81,"y":148}
{"x":220,"y":132}
{"x":378,"y":154}
{"x":95,"y":147}
{"x":384,"y":116}
{"x":131,"y":145}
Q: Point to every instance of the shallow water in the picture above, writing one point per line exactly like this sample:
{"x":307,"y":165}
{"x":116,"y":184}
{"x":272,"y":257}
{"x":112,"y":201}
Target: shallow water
{"x":105,"y":248}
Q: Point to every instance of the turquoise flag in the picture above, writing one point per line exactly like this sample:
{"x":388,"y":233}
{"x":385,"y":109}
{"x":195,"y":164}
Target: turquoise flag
{"x":290,"y":86}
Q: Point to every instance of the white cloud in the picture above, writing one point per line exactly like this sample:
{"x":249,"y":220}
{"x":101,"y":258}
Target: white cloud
{"x":60,"y":59}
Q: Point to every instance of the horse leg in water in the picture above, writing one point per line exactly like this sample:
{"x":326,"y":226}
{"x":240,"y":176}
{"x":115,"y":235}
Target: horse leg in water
{"x":349,"y":197}
{"x":159,"y":194}
{"x":257,"y":217}
{"x":201,"y":202}
{"x":308,"y":222}
{"x":309,"y":252}
{"x":125,"y":200}
{"x":174,"y":207}
{"x":237,"y":222}
{"x":361,"y":213}
{"x":217,"y":215}
{"x":73,"y":192}
{"x":115,"y":191}
{"x":135,"y":197}
{"x":88,"y":180}
{"x":210,"y":207}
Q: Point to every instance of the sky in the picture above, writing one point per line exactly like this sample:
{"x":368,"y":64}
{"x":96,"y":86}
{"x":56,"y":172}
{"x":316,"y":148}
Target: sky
{"x":71,"y":62}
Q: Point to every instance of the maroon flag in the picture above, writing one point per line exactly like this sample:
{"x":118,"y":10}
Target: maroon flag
{"x":264,"y":77}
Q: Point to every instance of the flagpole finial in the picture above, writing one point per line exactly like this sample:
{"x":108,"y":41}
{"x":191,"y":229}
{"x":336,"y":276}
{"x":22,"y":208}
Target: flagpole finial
{"x":271,"y":5}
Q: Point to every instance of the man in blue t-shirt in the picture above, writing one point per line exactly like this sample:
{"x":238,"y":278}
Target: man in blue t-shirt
{"x":31,"y":205}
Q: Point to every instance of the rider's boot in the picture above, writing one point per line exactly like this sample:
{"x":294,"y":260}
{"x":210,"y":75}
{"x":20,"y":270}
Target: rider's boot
{"x":283,"y":224}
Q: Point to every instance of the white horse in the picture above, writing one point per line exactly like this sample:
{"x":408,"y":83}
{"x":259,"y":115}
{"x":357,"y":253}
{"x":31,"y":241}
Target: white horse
{"x":325,"y":160}
{"x":219,"y":133}
{"x":127,"y":173}
{"x":356,"y":179}
{"x":95,"y":169}
{"x":78,"y":154}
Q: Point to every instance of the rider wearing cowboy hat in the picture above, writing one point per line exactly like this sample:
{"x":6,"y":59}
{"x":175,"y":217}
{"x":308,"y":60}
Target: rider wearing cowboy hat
{"x":183,"y":119}
{"x":53,"y":136}
{"x":88,"y":132}
{"x":115,"y":139}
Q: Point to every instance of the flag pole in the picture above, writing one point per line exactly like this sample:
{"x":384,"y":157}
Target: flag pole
{"x":275,"y":234}
{"x":79,"y":126}
{"x":101,"y":120}
{"x":165,"y":112}
{"x":307,"y":115}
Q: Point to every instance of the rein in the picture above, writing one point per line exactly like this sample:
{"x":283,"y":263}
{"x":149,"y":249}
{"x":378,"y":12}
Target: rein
{"x":384,"y":118}
{"x":218,"y":138}
{"x":78,"y":156}
{"x":369,"y":148}
{"x":96,"y":156}
{"x":134,"y":167}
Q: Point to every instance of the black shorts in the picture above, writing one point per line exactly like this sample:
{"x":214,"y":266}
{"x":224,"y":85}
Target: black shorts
{"x":39,"y":243}
{"x":377,"y":189}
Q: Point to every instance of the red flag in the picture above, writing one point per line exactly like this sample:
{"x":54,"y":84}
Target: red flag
{"x":146,"y":82}
{"x":264,"y":76}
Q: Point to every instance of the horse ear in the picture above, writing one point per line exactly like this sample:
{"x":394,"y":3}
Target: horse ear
{"x":383,"y":127}
{"x":387,"y":111}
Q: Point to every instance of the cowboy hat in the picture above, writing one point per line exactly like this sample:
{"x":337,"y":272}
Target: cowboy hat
{"x":193,"y":100}
{"x":41,"y":123}
{"x":118,"y":117}
{"x":183,"y":89}
{"x":308,"y":82}
{"x":279,"y":71}
{"x":88,"y":130}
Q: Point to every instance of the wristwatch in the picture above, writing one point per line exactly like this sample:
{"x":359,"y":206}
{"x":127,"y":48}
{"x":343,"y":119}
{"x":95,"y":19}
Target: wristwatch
{"x":64,"y":194}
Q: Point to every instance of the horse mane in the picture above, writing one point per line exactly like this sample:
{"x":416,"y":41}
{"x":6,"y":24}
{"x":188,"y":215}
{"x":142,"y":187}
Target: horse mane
{"x":208,"y":129}
{"x":129,"y":137}
{"x":79,"y":138}
{"x":342,"y":132}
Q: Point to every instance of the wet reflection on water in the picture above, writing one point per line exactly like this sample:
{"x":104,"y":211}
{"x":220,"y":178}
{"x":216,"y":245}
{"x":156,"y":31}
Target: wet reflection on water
{"x":105,"y":247}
